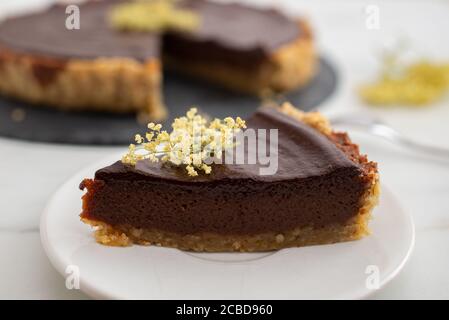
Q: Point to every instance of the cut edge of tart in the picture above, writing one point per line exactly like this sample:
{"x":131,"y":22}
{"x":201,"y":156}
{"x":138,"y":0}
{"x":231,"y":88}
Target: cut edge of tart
{"x":352,"y":228}
{"x":290,"y":67}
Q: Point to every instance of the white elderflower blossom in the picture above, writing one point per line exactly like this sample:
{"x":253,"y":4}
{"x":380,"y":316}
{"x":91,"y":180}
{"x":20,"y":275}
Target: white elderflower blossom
{"x":192,"y":142}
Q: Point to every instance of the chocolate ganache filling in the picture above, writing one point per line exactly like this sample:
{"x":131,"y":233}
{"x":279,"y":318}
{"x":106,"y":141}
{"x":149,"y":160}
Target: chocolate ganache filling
{"x":314,"y":174}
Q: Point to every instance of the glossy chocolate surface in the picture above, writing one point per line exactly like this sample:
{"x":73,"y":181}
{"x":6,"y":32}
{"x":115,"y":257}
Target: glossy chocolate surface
{"x":225,"y":29}
{"x":303,"y":153}
{"x":45,"y":33}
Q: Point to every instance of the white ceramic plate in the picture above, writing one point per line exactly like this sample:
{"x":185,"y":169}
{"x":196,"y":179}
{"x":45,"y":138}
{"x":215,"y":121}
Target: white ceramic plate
{"x":338,"y":271}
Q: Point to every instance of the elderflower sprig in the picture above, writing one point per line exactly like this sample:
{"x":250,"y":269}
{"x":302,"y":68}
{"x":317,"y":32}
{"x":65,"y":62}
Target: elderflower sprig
{"x":152,"y":16}
{"x":418,"y":83}
{"x":192,"y":142}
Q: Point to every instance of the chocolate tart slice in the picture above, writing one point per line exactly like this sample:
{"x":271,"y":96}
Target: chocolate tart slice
{"x":322,"y":192}
{"x":100,"y":68}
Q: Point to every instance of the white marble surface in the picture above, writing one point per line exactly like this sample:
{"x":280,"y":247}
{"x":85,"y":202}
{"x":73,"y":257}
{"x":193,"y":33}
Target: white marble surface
{"x":31,"y":172}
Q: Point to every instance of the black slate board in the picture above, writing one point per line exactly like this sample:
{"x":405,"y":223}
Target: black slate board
{"x":27,"y":122}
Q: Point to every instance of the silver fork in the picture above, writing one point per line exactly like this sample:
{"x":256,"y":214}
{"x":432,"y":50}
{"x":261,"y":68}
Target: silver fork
{"x":378,"y":128}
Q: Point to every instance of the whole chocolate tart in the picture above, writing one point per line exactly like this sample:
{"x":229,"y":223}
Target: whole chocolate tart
{"x":97,"y":67}
{"x":323,"y":192}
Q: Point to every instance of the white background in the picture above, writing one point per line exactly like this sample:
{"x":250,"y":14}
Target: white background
{"x":31,"y":172}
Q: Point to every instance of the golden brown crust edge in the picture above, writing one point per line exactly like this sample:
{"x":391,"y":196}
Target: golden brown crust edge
{"x":290,"y":67}
{"x":295,"y":64}
{"x":354,"y":229}
{"x":104,"y":84}
{"x":210,"y":242}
